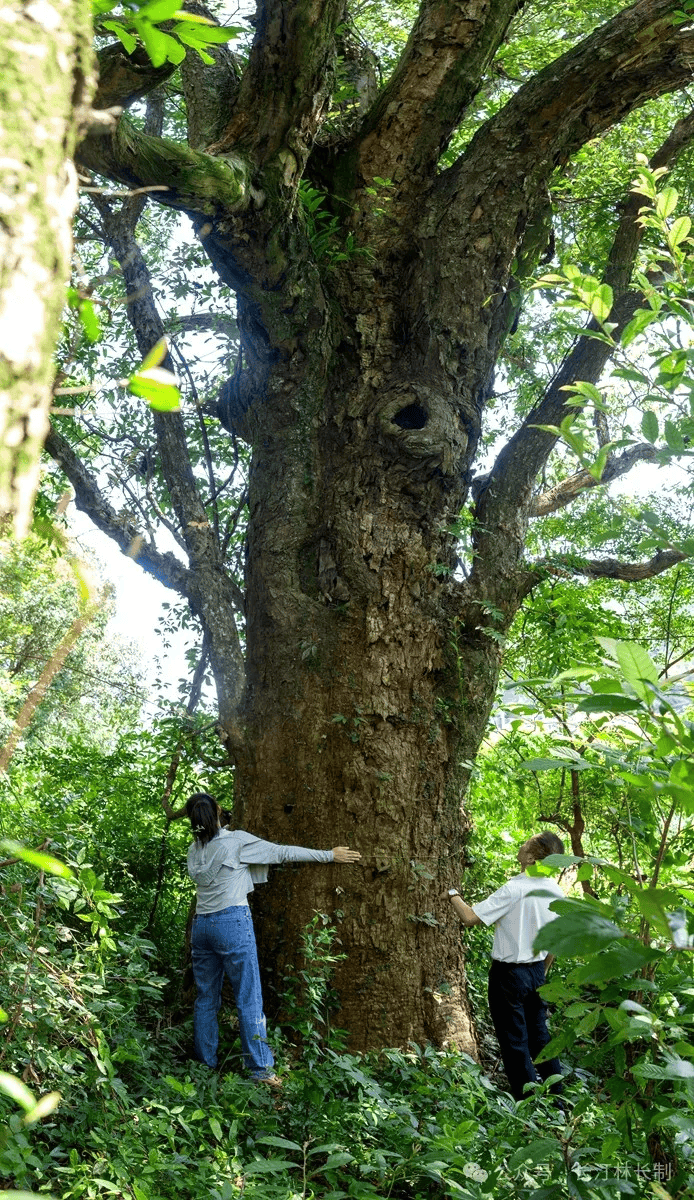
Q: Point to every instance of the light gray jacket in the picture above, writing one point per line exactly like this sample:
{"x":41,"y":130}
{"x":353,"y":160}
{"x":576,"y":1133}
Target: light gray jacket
{"x":227,"y":868}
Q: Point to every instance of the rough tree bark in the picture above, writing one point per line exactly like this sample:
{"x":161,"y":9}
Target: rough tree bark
{"x":46,"y":82}
{"x":370,"y":669}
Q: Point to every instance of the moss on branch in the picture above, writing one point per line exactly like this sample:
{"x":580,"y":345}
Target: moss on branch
{"x":190,"y":180}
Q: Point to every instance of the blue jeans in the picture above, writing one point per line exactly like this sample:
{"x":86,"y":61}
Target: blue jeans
{"x":224,"y":943}
{"x":520,"y":1021}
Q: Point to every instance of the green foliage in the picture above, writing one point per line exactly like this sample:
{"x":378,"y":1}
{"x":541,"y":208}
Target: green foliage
{"x":664,"y":321}
{"x":86,"y":1018}
{"x":155,"y":384}
{"x":627,"y":1006}
{"x":139,"y":20}
{"x":323,"y":228}
{"x":309,"y":999}
{"x":87,"y":1008}
{"x":103,"y":807}
{"x":98,"y":692}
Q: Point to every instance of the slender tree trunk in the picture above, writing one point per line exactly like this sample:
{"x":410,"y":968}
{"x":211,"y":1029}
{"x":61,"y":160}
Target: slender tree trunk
{"x":46,"y":80}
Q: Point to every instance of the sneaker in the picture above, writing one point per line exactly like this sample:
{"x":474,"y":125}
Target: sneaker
{"x":272,"y":1081}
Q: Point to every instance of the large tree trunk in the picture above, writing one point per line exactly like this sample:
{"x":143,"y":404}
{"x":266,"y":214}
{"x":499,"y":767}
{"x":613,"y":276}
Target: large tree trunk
{"x":353,"y":719}
{"x":369,"y":682}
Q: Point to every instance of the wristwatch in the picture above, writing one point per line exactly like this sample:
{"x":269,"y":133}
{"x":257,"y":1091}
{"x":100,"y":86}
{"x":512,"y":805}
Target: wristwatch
{"x":453,"y":892}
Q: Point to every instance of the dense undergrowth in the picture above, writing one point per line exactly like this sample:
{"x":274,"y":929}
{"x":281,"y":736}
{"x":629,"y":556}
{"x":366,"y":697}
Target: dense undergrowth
{"x":92,"y":958}
{"x":87,"y":1015}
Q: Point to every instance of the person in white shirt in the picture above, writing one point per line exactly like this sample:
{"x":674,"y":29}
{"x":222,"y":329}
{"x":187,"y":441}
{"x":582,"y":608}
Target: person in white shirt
{"x":518,"y":910}
{"x":225,"y":865}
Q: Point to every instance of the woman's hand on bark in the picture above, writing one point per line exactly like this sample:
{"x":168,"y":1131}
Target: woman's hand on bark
{"x":343,"y":854}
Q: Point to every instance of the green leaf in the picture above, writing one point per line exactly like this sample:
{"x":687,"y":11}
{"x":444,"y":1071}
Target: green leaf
{"x":158,"y":387}
{"x":160,"y":46}
{"x":189,"y":18}
{"x":671,"y":370}
{"x":586,"y":389}
{"x":269,"y":1140}
{"x":337,"y":1160}
{"x":608,"y":703}
{"x":679,"y":230}
{"x":601,"y":302}
{"x":160,"y":10}
{"x":573,"y":673}
{"x":649,"y":426}
{"x":631,"y":374}
{"x":596,"y":468}
{"x":578,"y":930}
{"x":12,"y":1086}
{"x":652,"y":903}
{"x":21,"y":1195}
{"x":216,"y":1129}
{"x":156,"y":355}
{"x":615,"y":963}
{"x":541,"y":1150}
{"x":570,"y":860}
{"x":589,"y":1022}
{"x":676,"y":1068}
{"x":206,"y":35}
{"x":673,"y":437}
{"x":637,"y":666}
{"x":90,"y":321}
{"x":154,"y":41}
{"x":666,"y":202}
{"x":638,"y":323}
{"x":175,"y":51}
{"x":45,"y":862}
{"x":128,"y":41}
{"x":269,"y":1166}
{"x":554,"y":764}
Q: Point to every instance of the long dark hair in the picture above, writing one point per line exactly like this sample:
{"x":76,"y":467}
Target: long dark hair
{"x":203,"y":814}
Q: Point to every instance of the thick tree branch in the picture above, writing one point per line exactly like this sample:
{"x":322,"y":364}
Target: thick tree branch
{"x":235,"y":399}
{"x":120,"y":527}
{"x":638,"y":55}
{"x":219,"y":323}
{"x":629,"y":233}
{"x":508,"y":487}
{"x":218,"y":196}
{"x":210,"y":89}
{"x":196,"y":183}
{"x":125,"y":78}
{"x":602,"y":568}
{"x":487,"y":199}
{"x":439,"y":73}
{"x":286,"y":84}
{"x":565,"y":493}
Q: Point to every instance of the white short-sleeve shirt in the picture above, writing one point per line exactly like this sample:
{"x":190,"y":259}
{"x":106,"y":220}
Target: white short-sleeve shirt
{"x":518,"y":916}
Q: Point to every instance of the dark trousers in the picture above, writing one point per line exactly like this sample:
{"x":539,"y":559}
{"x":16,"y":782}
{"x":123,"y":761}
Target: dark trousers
{"x":520,"y":1020}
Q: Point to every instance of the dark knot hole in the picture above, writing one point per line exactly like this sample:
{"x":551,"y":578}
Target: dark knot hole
{"x":411,"y":417}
